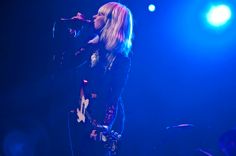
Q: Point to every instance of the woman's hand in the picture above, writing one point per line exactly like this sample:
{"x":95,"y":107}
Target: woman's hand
{"x":98,"y":133}
{"x":81,"y":17}
{"x":78,"y":16}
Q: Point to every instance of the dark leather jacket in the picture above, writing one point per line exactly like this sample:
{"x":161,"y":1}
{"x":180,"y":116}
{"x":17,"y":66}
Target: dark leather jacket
{"x":106,"y":75}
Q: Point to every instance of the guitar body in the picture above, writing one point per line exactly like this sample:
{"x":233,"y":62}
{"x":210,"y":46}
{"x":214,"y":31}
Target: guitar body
{"x":92,"y":134}
{"x":81,"y":111}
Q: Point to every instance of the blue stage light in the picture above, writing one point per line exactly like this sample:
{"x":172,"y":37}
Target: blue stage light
{"x":218,"y":15}
{"x":151,"y":7}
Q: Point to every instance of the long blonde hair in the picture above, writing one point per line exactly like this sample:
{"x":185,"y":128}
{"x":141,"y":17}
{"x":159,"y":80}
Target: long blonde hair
{"x":118,"y":29}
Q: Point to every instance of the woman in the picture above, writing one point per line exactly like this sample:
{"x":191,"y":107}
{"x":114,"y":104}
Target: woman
{"x":103,"y":76}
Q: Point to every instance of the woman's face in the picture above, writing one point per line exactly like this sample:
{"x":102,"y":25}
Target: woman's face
{"x":99,"y":21}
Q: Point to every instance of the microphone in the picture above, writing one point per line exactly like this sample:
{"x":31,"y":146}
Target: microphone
{"x":76,"y":21}
{"x":77,"y":27}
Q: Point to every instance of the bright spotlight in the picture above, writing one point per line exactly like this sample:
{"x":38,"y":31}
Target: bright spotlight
{"x":151,"y":7}
{"x":218,"y":15}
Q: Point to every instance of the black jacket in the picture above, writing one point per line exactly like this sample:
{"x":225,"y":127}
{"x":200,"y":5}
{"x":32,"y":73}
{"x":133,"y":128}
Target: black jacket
{"x":106,"y":80}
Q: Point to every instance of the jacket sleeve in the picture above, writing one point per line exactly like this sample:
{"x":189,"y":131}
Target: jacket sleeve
{"x":119,"y":75}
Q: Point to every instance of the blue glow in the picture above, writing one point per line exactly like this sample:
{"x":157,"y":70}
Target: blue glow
{"x":151,"y":7}
{"x":218,"y":15}
{"x":17,"y":143}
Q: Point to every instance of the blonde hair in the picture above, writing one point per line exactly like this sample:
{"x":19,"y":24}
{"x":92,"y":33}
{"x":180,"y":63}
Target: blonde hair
{"x":118,"y":29}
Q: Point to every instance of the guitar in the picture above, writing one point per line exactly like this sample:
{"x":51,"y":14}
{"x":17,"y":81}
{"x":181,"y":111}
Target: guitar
{"x":101,"y":133}
{"x":81,"y":112}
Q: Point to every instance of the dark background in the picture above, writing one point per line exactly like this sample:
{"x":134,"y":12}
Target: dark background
{"x":182,"y":72}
